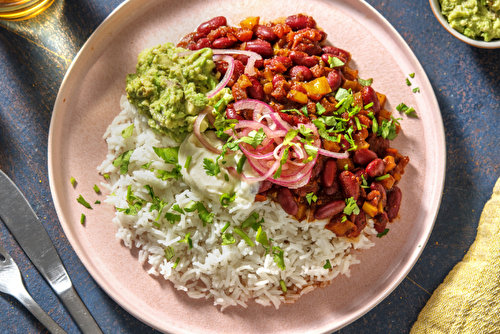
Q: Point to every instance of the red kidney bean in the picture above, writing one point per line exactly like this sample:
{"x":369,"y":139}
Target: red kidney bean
{"x":380,"y":188}
{"x":337,"y":52}
{"x":364,"y":156}
{"x":212,"y":24}
{"x":334,"y":79}
{"x":333,"y":189}
{"x":223,"y":43}
{"x":393,"y":202}
{"x":375,"y":168}
{"x":312,"y":49}
{"x":256,"y":91}
{"x":197,"y":36}
{"x":378,"y":144}
{"x":369,"y":95}
{"x":300,"y":21}
{"x":380,"y":222}
{"x":277,"y":78}
{"x":265,"y":33}
{"x":286,"y":61}
{"x":300,"y":73}
{"x":323,"y":35}
{"x":203,"y":43}
{"x":329,"y":173}
{"x":361,"y":173}
{"x":231,"y":114}
{"x":329,"y":210}
{"x":302,"y":58}
{"x":287,"y":202}
{"x":349,"y":184}
{"x":359,"y":221}
{"x":265,"y":186}
{"x":261,"y":47}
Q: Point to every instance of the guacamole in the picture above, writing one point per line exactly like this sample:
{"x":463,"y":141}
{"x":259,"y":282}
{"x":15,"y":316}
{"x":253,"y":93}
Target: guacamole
{"x":171,"y":90}
{"x":477,"y":19}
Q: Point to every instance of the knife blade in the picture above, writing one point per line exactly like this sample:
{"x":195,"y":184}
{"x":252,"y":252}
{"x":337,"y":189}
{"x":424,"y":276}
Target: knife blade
{"x":23,"y":223}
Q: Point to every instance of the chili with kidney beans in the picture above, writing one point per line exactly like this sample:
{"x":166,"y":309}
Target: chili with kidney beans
{"x":298,"y":76}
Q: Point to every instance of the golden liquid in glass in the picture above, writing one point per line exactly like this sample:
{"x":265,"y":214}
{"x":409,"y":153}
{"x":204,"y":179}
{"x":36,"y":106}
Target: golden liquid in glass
{"x":14,"y":10}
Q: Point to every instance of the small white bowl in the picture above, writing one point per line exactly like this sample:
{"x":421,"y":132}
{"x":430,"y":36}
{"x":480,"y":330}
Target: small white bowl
{"x":436,"y":8}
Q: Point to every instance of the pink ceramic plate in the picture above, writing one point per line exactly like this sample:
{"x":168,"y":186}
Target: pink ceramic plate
{"x":89,"y":99}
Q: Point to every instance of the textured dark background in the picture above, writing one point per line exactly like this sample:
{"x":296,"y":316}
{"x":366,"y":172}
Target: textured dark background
{"x":35,"y":55}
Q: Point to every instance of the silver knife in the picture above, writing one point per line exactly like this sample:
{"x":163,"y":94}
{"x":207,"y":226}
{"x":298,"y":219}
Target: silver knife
{"x":17,"y":214}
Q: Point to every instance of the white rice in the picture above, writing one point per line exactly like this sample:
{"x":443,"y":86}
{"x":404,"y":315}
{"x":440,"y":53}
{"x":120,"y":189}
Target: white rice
{"x":231,"y":274}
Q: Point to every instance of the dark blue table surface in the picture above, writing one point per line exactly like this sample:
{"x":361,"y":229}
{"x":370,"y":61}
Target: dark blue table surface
{"x":34,"y":58}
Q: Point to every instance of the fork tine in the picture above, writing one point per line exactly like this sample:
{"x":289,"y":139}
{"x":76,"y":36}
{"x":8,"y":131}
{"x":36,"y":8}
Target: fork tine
{"x":11,"y":282}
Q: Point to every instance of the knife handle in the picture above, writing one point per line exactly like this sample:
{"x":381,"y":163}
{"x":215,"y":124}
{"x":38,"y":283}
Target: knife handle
{"x":79,"y":311}
{"x":24,"y":297}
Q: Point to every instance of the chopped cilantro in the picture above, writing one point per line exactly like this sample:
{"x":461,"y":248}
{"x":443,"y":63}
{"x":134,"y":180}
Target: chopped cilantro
{"x":254,"y":138}
{"x":320,"y":110}
{"x":416,"y":90}
{"x":175,"y":173}
{"x":225,"y":227}
{"x":146,"y":166}
{"x":283,"y":285}
{"x":169,"y":253}
{"x":304,"y":111}
{"x":412,"y":75}
{"x":225,"y":199}
{"x":106,"y":176}
{"x":97,"y":202}
{"x":203,"y":214}
{"x":83,"y":202}
{"x":351,"y":206}
{"x":73,"y":181}
{"x":383,"y":177}
{"x":283,"y":160}
{"x":369,"y":105}
{"x":123,"y":161}
{"x":176,"y":263}
{"x":188,"y":161}
{"x":311,"y":197}
{"x":82,"y":219}
{"x":408,"y":83}
{"x":327,"y":265}
{"x":127,"y":132}
{"x":172,"y":218}
{"x":252,"y":222}
{"x":177,"y":208}
{"x":241,"y":162}
{"x":381,"y":234}
{"x":335,"y":62}
{"x":367,"y":82}
{"x":387,"y":129}
{"x":278,"y":256}
{"x":212,"y":168}
{"x":227,"y":239}
{"x":187,"y":240}
{"x":191,"y":206}
{"x":168,"y":154}
{"x":96,"y":189}
{"x":261,"y":238}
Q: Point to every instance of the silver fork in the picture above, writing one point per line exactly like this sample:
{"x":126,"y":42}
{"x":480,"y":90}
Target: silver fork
{"x":11,"y":283}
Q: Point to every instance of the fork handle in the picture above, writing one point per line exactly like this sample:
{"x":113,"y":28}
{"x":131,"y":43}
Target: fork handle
{"x":24,"y":297}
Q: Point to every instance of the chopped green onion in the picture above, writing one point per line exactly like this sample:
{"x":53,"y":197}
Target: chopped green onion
{"x":383,"y":177}
{"x":358,"y":123}
{"x":225,"y":227}
{"x":73,"y":181}
{"x":369,"y":105}
{"x":225,"y":199}
{"x":82,"y":219}
{"x":244,"y":236}
{"x":283,"y":285}
{"x":191,"y":206}
{"x":187,"y":240}
{"x":188,"y":161}
{"x":176,"y":263}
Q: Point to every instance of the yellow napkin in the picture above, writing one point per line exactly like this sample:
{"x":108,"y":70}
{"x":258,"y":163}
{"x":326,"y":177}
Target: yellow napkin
{"x":468,"y":301}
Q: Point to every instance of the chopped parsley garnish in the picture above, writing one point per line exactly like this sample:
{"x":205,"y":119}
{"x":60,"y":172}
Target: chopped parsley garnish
{"x":416,"y":90}
{"x":311,"y":197}
{"x":123,"y":161}
{"x":82,"y":219}
{"x":335,"y":62}
{"x":327,"y":265}
{"x":96,"y":189}
{"x":187,"y":240}
{"x":367,"y":82}
{"x":381,"y":234}
{"x":351,"y":206}
{"x":127,"y":132}
{"x":169,"y":253}
{"x":188,"y":161}
{"x":278,"y":254}
{"x":226,"y":199}
{"x":227,"y":239}
{"x":244,"y":236}
{"x":73,"y":181}
{"x":83,"y":202}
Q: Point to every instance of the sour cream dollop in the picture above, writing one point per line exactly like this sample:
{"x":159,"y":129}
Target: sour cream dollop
{"x":212,"y":187}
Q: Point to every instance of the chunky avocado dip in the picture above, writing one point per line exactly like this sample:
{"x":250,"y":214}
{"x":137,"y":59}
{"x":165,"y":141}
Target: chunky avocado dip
{"x":477,"y":19}
{"x":171,"y":90}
